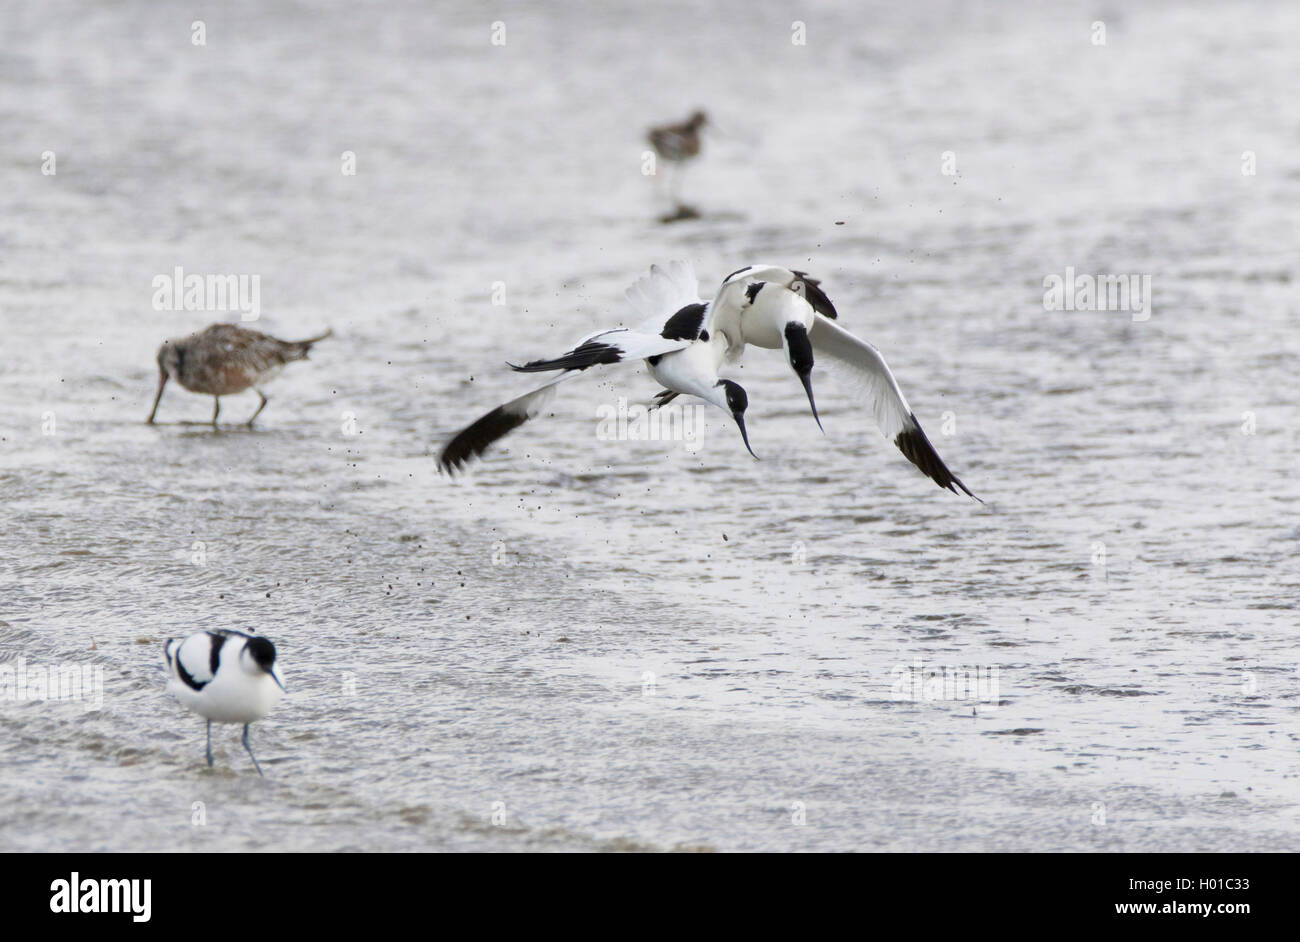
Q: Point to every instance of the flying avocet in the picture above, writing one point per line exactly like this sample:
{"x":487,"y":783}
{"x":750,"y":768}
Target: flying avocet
{"x":675,"y":348}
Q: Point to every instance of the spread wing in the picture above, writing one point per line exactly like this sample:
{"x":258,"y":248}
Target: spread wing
{"x":659,"y":290}
{"x":892,"y":413}
{"x":608,"y":346}
{"x":479,"y":436}
{"x":663,"y":291}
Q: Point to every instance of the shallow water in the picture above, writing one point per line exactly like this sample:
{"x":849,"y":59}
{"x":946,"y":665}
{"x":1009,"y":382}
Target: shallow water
{"x":633,"y":644}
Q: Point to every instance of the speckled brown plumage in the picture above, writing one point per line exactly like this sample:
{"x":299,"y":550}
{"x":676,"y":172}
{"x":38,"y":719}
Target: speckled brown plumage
{"x":224,"y":359}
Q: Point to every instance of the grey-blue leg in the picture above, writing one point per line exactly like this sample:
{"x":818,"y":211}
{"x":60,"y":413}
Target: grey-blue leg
{"x":209,"y":743}
{"x":259,"y":408}
{"x":250,"y":751}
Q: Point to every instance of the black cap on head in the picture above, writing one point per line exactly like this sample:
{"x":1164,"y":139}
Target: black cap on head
{"x":737,"y":402}
{"x":263,"y":652}
{"x":737,"y":399}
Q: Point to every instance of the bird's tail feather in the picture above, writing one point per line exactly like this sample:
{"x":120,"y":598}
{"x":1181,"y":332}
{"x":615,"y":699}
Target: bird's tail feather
{"x":329,"y":332}
{"x":300,"y":348}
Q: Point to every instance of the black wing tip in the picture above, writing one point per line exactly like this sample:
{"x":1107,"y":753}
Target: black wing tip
{"x":454,"y":464}
{"x":454,"y":460}
{"x":451,"y":465}
{"x":586,"y":355}
{"x":536,"y":366}
{"x":817,"y":297}
{"x":473,"y":440}
{"x":916,"y":448}
{"x":966,"y":490}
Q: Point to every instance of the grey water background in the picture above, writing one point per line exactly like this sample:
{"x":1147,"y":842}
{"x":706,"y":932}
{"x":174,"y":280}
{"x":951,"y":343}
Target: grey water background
{"x":630,"y":644}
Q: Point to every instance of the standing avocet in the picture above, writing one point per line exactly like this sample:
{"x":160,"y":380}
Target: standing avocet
{"x":226,"y":677}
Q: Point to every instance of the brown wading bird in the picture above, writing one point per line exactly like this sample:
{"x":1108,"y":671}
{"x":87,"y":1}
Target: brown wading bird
{"x":678,"y":143}
{"x":225,"y":359}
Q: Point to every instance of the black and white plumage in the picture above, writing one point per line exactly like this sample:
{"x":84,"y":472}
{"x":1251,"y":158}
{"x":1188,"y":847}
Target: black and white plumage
{"x":895,"y":418}
{"x":224,"y":676}
{"x":779,"y":308}
{"x":676,"y":351}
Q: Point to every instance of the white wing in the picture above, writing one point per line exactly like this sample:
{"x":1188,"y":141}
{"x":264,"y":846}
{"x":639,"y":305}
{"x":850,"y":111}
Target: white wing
{"x":662,"y":292}
{"x":724,"y":321}
{"x":894,"y":416}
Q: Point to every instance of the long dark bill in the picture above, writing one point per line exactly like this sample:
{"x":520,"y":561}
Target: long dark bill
{"x":806,"y":379}
{"x":740,"y":420}
{"x":162,"y":381}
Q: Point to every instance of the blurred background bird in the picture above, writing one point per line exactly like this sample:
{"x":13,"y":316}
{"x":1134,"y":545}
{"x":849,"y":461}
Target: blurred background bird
{"x":676,"y":144}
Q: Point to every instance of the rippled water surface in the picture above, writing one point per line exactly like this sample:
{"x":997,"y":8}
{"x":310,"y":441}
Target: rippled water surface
{"x":633,"y":644}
